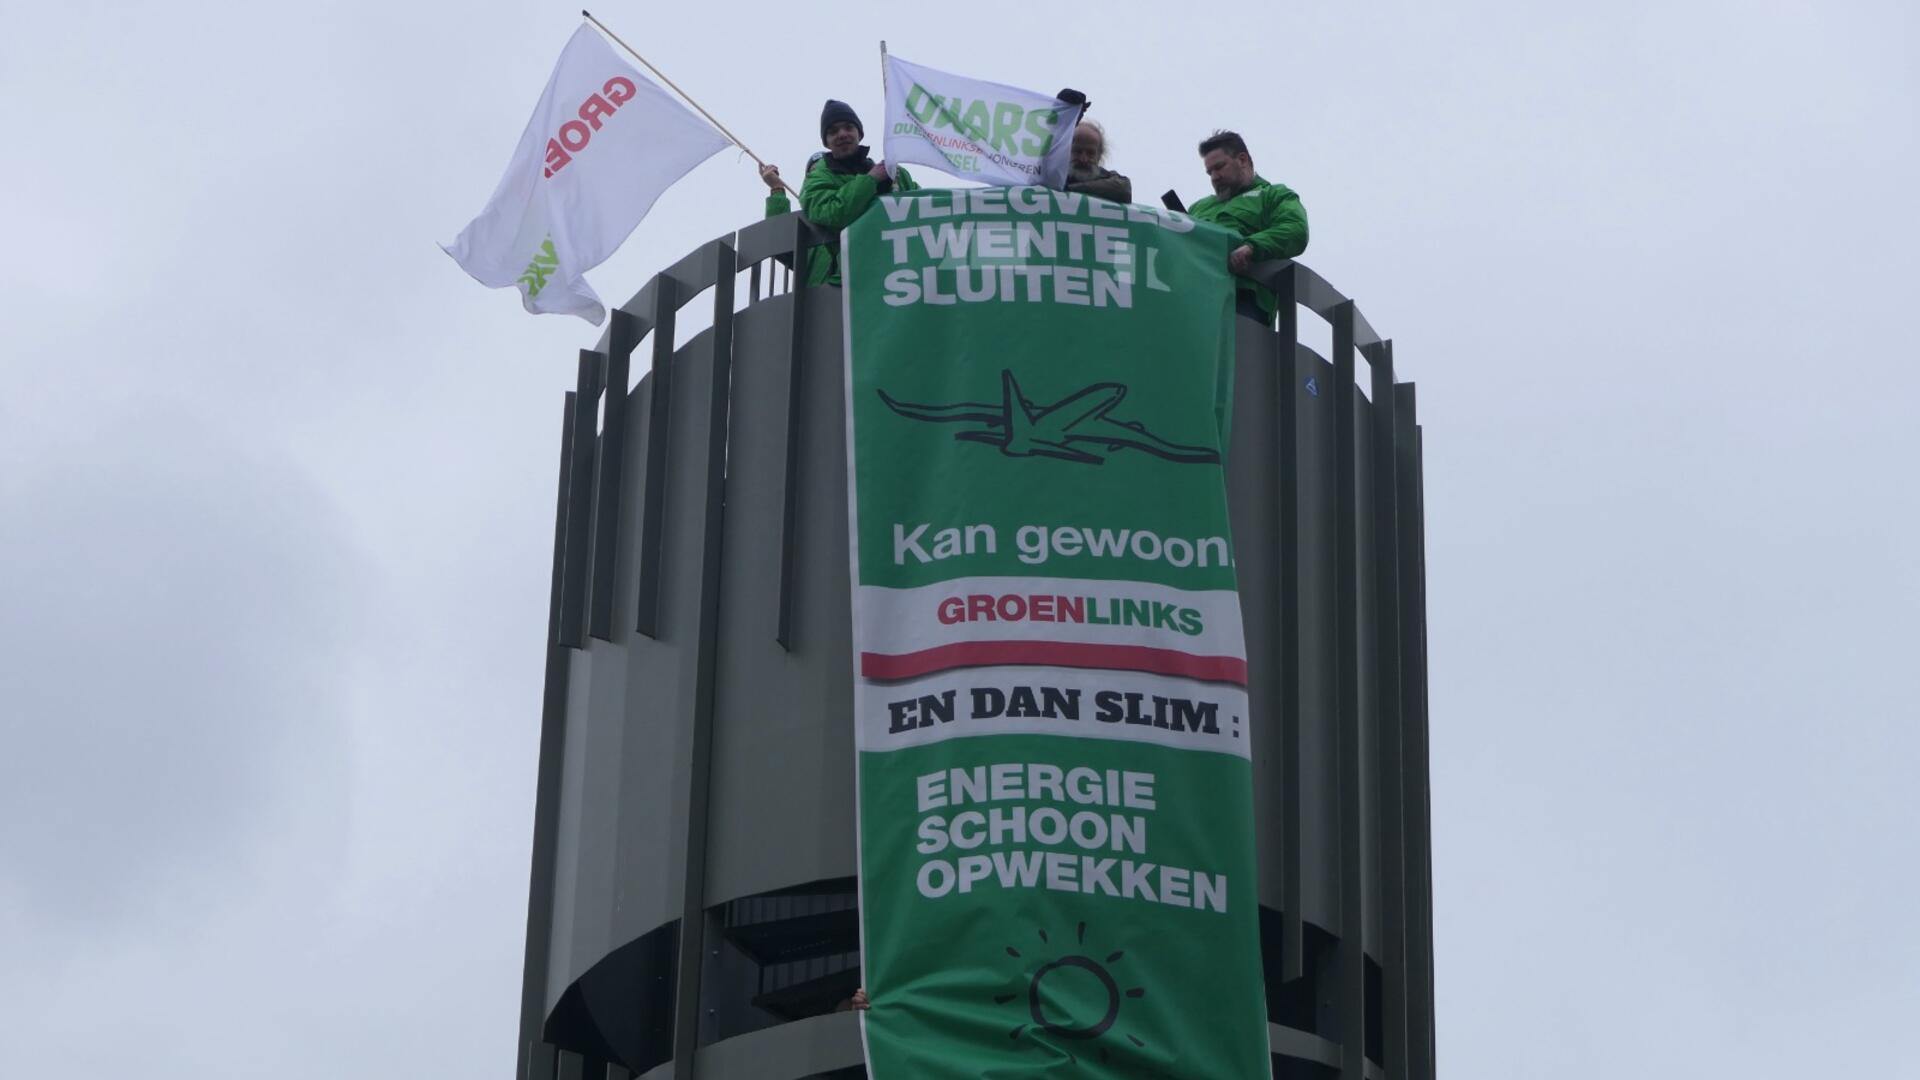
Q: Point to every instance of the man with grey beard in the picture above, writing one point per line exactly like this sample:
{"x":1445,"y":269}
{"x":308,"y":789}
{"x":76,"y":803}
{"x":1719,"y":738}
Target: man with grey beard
{"x":1086,"y":173}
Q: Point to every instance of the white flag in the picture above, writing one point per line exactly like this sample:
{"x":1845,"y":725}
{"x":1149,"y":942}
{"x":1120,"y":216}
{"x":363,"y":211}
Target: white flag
{"x":976,"y":130}
{"x":601,"y":147}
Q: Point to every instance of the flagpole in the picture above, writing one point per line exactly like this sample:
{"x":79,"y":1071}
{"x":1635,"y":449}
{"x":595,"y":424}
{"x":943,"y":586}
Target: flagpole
{"x":731,"y":137}
{"x":891,"y":167}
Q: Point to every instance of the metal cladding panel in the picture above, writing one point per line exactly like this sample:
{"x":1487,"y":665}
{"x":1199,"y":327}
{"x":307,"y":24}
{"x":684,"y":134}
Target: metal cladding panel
{"x":1368,"y":656}
{"x":617,"y":867}
{"x":590,"y":800}
{"x":1253,"y":465}
{"x":1253,"y":460}
{"x":782,"y":796}
{"x":803,"y":1048}
{"x":1319,"y":713}
{"x":657,"y":700}
{"x":553,"y":708}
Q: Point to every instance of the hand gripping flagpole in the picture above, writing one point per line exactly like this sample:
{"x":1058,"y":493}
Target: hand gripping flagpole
{"x":731,"y":137}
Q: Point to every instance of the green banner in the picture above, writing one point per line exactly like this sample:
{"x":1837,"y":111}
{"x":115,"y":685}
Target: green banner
{"x":1055,"y":797}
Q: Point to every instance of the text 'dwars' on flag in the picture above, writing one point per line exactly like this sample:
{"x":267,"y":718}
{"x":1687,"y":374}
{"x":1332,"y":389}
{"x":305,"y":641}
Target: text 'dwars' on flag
{"x":976,"y":130}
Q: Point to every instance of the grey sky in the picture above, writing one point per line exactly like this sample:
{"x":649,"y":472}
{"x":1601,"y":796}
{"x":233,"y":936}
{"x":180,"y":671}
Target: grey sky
{"x":276,"y":494}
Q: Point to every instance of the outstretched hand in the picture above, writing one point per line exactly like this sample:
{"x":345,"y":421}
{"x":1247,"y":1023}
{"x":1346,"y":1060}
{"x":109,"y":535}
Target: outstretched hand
{"x":770,"y":175}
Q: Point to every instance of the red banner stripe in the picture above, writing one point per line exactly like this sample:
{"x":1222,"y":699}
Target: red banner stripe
{"x":1073,"y":654}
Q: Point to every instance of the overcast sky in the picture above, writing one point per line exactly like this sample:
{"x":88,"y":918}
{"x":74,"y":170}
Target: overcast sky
{"x":276,"y":494}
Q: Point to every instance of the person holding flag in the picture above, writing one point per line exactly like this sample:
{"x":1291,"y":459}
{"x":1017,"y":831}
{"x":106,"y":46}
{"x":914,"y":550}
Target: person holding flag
{"x":840,"y":185}
{"x":602,"y":146}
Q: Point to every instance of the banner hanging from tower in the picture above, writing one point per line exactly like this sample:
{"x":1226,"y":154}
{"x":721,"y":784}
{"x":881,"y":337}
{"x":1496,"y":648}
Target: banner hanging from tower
{"x":1052,"y":730}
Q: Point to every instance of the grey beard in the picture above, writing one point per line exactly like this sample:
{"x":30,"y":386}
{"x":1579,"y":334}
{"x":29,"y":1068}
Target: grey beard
{"x":1075,"y":172}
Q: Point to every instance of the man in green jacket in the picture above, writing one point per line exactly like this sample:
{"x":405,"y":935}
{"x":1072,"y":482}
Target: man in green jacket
{"x":841,"y":185}
{"x":1267,"y":216}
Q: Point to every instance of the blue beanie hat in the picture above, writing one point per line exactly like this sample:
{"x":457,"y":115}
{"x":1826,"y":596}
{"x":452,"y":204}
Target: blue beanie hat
{"x":835,"y":112}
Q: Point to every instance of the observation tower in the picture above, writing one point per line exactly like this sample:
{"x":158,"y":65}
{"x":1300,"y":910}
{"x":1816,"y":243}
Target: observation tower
{"x":693,"y":909}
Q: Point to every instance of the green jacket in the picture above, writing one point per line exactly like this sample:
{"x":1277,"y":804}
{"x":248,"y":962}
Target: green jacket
{"x":833,"y":195}
{"x":1267,"y":216}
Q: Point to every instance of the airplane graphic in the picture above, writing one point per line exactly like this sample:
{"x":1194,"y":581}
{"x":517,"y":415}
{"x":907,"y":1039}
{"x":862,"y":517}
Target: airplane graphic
{"x":1076,"y":428}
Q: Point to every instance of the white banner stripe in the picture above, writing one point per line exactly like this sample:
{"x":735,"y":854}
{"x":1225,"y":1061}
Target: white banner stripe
{"x":1177,"y":713}
{"x":897,"y":621}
